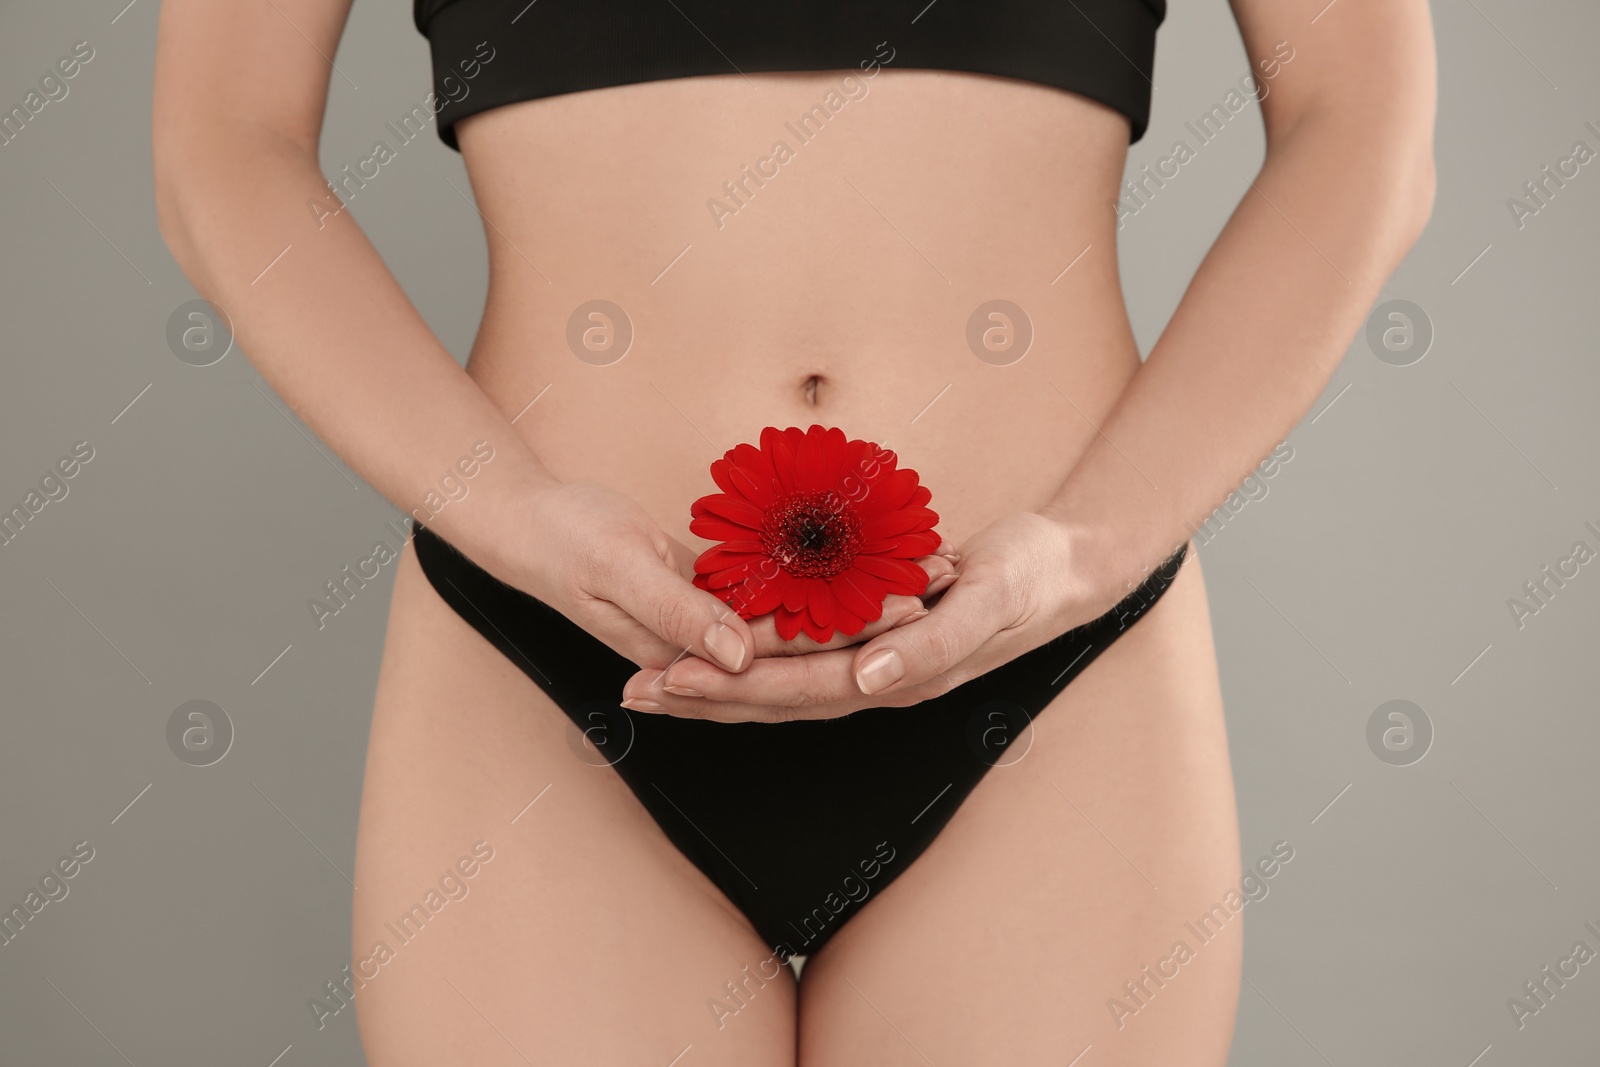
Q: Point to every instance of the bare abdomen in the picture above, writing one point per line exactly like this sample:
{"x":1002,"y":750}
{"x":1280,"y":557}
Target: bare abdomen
{"x":667,"y":285}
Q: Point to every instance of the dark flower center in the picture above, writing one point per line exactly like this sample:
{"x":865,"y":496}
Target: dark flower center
{"x":812,"y":535}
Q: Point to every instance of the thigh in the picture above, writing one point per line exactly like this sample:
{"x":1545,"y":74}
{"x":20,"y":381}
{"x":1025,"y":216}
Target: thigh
{"x":515,"y":903}
{"x":1059,"y":880}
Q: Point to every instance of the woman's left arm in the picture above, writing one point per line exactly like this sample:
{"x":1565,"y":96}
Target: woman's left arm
{"x":1345,"y":190}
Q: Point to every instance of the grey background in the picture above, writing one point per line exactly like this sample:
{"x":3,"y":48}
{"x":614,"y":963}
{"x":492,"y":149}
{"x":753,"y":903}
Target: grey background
{"x":1378,"y":567}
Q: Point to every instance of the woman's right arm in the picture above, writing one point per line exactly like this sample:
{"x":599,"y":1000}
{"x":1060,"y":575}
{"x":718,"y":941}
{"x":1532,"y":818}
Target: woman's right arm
{"x":240,"y":89}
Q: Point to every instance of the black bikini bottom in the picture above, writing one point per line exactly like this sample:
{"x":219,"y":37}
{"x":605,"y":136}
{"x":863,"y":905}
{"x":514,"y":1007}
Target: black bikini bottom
{"x":798,"y":823}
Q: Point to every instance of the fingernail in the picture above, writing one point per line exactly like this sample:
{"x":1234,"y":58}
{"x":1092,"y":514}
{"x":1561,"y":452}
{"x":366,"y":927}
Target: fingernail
{"x":641,"y":704}
{"x":682,"y":691}
{"x":953,"y":557}
{"x":913,"y":617}
{"x":724,"y":644}
{"x":881,"y":669}
{"x":940,"y":584}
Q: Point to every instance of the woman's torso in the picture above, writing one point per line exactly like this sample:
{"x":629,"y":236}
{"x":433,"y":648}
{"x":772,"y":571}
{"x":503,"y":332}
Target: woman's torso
{"x":838,"y":290}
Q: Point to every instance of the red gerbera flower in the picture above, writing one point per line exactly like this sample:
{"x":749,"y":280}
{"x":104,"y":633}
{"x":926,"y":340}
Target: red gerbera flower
{"x":816,"y":529}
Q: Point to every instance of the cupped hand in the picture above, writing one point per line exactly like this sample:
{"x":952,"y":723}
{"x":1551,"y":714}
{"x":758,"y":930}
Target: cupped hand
{"x":597,"y":556}
{"x":1021,"y":582}
{"x":600,"y":559}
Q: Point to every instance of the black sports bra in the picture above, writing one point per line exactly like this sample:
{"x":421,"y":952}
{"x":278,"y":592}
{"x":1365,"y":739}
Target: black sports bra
{"x":488,"y":53}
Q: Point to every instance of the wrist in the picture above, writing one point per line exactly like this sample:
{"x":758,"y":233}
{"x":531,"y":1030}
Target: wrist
{"x":1105,"y":564}
{"x":1099,"y":567}
{"x":498,"y":532}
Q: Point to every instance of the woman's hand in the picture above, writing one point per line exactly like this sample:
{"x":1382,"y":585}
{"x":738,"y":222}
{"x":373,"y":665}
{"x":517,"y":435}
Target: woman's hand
{"x":599,"y":558}
{"x":1022,"y":581}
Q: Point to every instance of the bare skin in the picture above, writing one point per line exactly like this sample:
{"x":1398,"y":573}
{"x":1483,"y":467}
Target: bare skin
{"x":838,"y":294}
{"x":589,"y":939}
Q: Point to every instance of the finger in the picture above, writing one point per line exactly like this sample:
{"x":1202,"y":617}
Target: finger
{"x":673,"y":609}
{"x":696,"y":678}
{"x":660,"y":702}
{"x":734,"y":711}
{"x":817,"y":684}
{"x":973,"y":611}
{"x":780,"y":681}
{"x":942,"y":574}
{"x":896,"y":610}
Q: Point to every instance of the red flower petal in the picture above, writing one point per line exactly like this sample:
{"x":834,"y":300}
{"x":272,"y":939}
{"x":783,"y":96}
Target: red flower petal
{"x":756,"y":598}
{"x":890,"y":493}
{"x":750,"y":472}
{"x":723,"y":556}
{"x":776,"y":445}
{"x":815,"y":528}
{"x":729,"y":577}
{"x":794,"y":595}
{"x":788,"y":623}
{"x":820,"y":599}
{"x":819,"y":455}
{"x":903,"y":576}
{"x":735,"y":509}
{"x":816,"y":631}
{"x":714,"y":529}
{"x":722,"y":473}
{"x":908,"y":546}
{"x":849,"y":592}
{"x":848,"y":624}
{"x":894,"y":523}
{"x":869,"y":585}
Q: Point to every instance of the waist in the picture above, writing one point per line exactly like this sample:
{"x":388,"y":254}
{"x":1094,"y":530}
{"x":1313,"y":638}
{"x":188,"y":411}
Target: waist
{"x":914,"y":273}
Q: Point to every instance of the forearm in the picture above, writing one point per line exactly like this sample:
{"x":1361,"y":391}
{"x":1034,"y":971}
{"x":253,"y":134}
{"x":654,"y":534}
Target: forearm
{"x":1252,"y":344}
{"x":328,"y":326}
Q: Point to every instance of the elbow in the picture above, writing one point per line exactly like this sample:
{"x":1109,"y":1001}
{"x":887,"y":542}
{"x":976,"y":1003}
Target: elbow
{"x":1418,"y":181}
{"x":209,"y":178}
{"x":1380,"y":156}
{"x":169,"y":222}
{"x":1400,"y":183}
{"x":169,"y":186}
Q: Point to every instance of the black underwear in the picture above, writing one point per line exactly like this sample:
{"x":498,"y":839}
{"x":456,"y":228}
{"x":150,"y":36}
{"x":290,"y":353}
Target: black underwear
{"x":798,"y":823}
